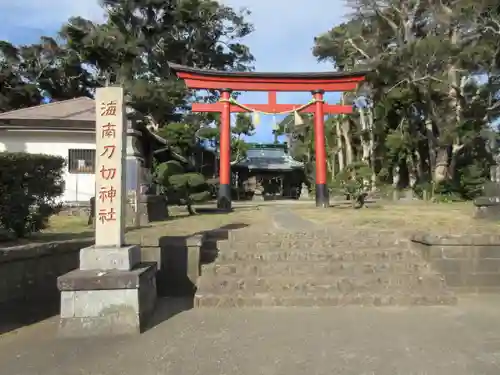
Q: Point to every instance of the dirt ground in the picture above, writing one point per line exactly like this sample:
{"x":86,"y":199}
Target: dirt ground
{"x":437,"y":218}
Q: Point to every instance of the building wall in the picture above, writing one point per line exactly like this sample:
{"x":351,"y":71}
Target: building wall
{"x":79,"y":187}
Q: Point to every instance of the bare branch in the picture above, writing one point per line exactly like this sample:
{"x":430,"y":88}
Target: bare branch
{"x":351,"y":42}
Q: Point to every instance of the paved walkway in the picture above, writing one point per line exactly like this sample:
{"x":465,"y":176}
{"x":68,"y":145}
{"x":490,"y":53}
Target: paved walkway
{"x":460,"y":340}
{"x":285,"y":219}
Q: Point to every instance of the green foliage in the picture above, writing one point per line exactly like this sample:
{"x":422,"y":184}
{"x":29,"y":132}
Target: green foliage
{"x":29,"y":187}
{"x":134,"y":46}
{"x":354,"y":182}
{"x":445,"y":193}
{"x":131,"y":48}
{"x":202,"y":196}
{"x":187,"y":180}
{"x":427,"y":115}
{"x":180,"y":136}
{"x":15,"y":92}
{"x":243,"y":126}
{"x":180,"y":187}
{"x":165,"y":170}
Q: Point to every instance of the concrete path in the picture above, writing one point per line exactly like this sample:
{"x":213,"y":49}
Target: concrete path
{"x":460,"y":340}
{"x":286,"y":219}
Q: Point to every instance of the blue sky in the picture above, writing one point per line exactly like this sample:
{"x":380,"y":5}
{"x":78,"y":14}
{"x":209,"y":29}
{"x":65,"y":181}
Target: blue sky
{"x":282,"y":41}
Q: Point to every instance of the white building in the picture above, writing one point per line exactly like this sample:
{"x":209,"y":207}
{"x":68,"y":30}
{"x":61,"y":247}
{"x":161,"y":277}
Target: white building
{"x":67,"y":129}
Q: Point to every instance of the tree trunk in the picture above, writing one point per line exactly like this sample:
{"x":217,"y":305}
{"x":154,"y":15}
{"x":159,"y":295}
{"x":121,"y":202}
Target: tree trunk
{"x":348,"y":141}
{"x":340,"y":152}
{"x":395,"y":182}
{"x":431,"y":140}
{"x":364,"y":142}
{"x":372,"y":147}
{"x":441,"y":169}
{"x":456,"y":84}
{"x":334,"y":161}
{"x":412,"y":164}
{"x":365,"y":157}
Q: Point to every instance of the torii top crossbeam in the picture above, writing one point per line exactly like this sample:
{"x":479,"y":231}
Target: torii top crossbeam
{"x":257,"y":81}
{"x":226,"y":82}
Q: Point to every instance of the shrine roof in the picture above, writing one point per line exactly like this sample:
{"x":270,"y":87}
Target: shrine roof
{"x":271,"y":159}
{"x":278,"y":75}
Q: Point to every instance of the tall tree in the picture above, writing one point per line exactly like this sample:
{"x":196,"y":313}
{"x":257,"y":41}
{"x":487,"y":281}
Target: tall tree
{"x":15,"y":91}
{"x":425,"y":110}
{"x":140,"y":36}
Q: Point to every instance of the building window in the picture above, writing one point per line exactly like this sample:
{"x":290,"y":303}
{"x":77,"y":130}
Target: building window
{"x":81,"y":161}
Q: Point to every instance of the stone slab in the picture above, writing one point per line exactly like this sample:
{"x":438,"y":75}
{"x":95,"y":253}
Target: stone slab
{"x":106,"y":280}
{"x":487,"y":212}
{"x":178,"y":259}
{"x":89,"y":309}
{"x":109,"y":258}
{"x":457,"y":239}
{"x":323,"y":300}
{"x":469,"y":263}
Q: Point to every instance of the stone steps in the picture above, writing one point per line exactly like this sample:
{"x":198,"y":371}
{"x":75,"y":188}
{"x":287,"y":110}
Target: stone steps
{"x":258,"y":242}
{"x":317,"y":254}
{"x":220,"y":300}
{"x":296,"y":268}
{"x":317,"y":238}
{"x":376,"y":283}
{"x":316,"y":268}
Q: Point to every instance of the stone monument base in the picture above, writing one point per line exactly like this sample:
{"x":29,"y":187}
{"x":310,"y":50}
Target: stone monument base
{"x":259,"y":197}
{"x":109,"y":258}
{"x":107,"y":302}
{"x":153,"y":208}
{"x":304,"y":194}
{"x":487,"y":208}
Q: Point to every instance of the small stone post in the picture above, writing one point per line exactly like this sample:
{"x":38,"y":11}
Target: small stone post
{"x":304,"y":192}
{"x":111,"y":292}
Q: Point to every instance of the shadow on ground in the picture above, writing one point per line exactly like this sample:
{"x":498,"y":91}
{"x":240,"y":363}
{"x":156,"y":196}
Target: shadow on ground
{"x":179,"y":260}
{"x":17,"y":314}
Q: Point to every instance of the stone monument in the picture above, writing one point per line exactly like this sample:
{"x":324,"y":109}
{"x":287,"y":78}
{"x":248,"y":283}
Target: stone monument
{"x":258,"y":194}
{"x":304,"y":192}
{"x":488,"y":205}
{"x":111,"y":292}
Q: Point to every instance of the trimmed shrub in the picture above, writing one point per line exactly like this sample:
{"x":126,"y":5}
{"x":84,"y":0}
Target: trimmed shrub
{"x":181,"y":188}
{"x":29,"y":187}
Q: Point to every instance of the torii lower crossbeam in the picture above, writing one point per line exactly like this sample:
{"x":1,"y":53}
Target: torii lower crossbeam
{"x":271,"y":107}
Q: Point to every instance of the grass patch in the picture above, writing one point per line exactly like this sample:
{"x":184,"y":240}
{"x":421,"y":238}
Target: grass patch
{"x":61,"y":228}
{"x":449,"y":218}
{"x":180,"y":223}
{"x":65,"y":224}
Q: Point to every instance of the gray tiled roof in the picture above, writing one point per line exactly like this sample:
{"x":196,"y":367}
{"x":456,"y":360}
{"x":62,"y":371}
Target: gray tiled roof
{"x":269,"y":159}
{"x":78,"y":109}
{"x":71,"y":114}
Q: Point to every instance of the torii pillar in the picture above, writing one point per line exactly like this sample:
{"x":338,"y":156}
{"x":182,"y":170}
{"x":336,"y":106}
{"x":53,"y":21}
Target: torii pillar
{"x":227,"y":82}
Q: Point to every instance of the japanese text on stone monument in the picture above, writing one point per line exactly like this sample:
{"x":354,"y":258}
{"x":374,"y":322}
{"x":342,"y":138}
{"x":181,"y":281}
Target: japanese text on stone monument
{"x":110,"y":141}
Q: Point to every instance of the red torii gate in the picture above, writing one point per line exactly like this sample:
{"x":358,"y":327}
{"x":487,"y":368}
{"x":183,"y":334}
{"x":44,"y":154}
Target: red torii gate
{"x":227,"y":82}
